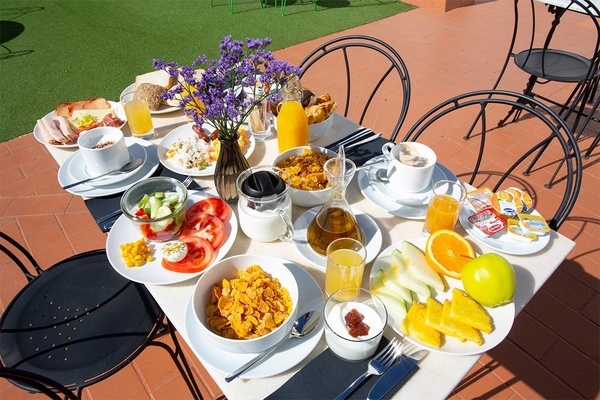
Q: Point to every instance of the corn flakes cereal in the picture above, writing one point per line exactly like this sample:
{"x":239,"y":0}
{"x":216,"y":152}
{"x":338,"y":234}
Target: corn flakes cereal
{"x":249,"y":306}
{"x":306,"y":170}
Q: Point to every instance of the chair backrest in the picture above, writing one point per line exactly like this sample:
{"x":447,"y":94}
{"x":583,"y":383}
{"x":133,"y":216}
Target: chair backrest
{"x":501,"y":157}
{"x":39,"y":383}
{"x":347,"y":69}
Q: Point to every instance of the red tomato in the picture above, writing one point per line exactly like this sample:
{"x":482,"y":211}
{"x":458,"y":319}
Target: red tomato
{"x":205,"y":226}
{"x":211,"y":205}
{"x":200,"y":255}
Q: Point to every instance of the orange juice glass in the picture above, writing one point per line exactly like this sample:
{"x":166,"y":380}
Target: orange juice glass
{"x":447,"y":198}
{"x":138,"y":116}
{"x":345,"y":265}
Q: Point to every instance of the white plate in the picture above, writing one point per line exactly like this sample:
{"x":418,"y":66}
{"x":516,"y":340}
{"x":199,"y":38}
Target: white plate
{"x":124,"y":231}
{"x":183,"y":132}
{"x":393,"y":207}
{"x":87,"y":190}
{"x":502,"y":316}
{"x":372,"y":233}
{"x":414,"y":199}
{"x":501,"y":241}
{"x":287,"y":355}
{"x":162,"y":109}
{"x":78,"y":170}
{"x":116,"y":107}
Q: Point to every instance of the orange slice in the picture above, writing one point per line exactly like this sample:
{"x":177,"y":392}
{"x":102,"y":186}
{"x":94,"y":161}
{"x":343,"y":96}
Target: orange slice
{"x":447,"y":252}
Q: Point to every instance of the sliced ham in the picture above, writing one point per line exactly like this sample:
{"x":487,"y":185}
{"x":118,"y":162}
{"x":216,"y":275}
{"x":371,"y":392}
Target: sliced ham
{"x":53,"y":131}
{"x":65,"y":127}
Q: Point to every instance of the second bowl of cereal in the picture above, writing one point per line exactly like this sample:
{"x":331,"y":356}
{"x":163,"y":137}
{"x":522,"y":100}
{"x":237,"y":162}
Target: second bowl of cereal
{"x":309,"y":186}
{"x":246,"y":303}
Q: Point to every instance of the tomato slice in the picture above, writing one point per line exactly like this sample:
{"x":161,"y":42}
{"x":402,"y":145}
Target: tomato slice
{"x":205,"y":226}
{"x":211,"y":205}
{"x":200,"y":255}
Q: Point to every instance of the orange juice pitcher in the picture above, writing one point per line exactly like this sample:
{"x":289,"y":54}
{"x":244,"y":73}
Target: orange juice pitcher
{"x":292,"y":123}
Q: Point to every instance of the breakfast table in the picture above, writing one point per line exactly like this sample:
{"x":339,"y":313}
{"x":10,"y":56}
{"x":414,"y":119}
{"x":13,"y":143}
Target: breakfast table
{"x":438,"y":373}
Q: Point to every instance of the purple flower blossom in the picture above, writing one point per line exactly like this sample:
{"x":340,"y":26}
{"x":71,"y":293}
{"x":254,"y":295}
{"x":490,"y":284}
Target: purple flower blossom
{"x":224,"y":94}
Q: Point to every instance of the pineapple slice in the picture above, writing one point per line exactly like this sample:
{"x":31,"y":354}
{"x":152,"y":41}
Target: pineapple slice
{"x":414,"y":326}
{"x":457,"y":329}
{"x":469,"y":312}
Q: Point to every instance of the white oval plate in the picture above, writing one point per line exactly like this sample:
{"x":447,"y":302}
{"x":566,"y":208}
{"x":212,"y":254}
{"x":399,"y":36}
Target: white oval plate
{"x":393,"y":207}
{"x":373,"y":236}
{"x":78,"y":169}
{"x":288,"y":355}
{"x":502,"y":316}
{"x":116,"y":107}
{"x":501,"y":241}
{"x":124,"y":231}
{"x":162,"y":109}
{"x":88,"y":190}
{"x":183,"y":132}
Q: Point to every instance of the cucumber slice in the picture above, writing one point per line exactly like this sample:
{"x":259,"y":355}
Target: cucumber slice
{"x":159,"y":195}
{"x":143,"y":201}
{"x":170,"y":199}
{"x":154,"y":204}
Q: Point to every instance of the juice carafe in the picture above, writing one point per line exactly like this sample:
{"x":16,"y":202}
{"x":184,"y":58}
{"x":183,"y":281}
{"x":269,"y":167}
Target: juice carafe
{"x":292,"y":123}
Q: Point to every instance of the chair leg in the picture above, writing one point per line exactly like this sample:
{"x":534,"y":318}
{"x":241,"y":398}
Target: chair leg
{"x":517,"y":112}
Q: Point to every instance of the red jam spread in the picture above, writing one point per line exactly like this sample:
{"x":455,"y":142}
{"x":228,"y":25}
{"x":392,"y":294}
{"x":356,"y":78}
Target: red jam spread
{"x":354,"y":323}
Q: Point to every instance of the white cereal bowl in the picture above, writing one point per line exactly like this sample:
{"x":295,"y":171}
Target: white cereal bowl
{"x":315,"y":131}
{"x":227,"y":269}
{"x":301,"y":197}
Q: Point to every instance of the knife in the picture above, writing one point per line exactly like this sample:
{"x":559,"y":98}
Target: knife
{"x":395,"y":375}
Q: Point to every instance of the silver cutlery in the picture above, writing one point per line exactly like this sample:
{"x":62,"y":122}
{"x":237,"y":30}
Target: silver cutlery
{"x":130,"y":166}
{"x":359,"y":134}
{"x":367,"y":140}
{"x":377,"y":366}
{"x":304,"y":325}
{"x":395,"y":374}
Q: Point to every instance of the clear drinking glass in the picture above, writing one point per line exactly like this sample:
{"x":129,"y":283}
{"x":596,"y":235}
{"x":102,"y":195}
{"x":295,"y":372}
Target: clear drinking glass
{"x":138,"y":116}
{"x":447,"y":198}
{"x":345,"y":264}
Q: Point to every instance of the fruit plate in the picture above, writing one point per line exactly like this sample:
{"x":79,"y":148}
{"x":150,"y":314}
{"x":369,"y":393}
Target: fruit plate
{"x":502,"y":316}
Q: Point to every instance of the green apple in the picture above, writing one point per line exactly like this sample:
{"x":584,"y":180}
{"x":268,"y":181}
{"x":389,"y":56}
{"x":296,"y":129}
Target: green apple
{"x":489,"y":279}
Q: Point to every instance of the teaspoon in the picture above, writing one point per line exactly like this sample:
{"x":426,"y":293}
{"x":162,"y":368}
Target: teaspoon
{"x":130,"y":166}
{"x":304,"y":325}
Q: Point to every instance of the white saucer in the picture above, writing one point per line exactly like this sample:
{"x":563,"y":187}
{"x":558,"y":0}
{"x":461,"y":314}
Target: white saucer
{"x":79,"y":171}
{"x":392,"y":206}
{"x":501,"y":241}
{"x":88,"y":190}
{"x":413,"y":199}
{"x":288,"y":355}
{"x":373,"y":236}
{"x":162,"y":109}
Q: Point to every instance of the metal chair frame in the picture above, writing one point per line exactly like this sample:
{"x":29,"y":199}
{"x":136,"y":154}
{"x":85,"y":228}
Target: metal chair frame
{"x":79,"y":322}
{"x":38,"y":383}
{"x":397,"y":65}
{"x":559,"y":131}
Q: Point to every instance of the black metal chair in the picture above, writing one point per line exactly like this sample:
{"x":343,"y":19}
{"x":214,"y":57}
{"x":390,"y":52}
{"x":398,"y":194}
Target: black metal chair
{"x":350,"y":58}
{"x":545,"y":63}
{"x":79,"y":321}
{"x":38,"y":383}
{"x":443,"y":129}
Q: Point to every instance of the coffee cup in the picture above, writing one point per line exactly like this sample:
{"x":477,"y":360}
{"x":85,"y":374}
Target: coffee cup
{"x":410,"y":166}
{"x":103,"y":150}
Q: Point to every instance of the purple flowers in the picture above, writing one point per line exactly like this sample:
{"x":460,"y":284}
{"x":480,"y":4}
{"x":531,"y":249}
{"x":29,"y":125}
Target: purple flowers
{"x":223,"y":92}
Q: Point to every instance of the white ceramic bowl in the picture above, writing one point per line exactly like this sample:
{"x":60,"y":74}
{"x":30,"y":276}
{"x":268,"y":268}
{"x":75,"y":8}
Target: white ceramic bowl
{"x":301,"y":197}
{"x":227,"y":269}
{"x":315,"y":131}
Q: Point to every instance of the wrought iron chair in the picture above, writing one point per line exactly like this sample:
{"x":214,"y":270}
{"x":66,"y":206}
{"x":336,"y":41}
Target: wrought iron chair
{"x":38,"y":383}
{"x":346,"y":61}
{"x":79,"y":321}
{"x":443,"y":128}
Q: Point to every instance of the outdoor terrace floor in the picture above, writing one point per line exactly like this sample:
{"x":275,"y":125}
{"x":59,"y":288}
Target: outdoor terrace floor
{"x":553,"y":348}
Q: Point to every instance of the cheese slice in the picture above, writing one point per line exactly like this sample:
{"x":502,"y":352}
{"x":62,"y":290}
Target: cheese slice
{"x":84,"y":115}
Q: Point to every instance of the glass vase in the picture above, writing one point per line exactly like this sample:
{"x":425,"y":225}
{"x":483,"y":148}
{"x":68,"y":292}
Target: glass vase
{"x":230,"y":164}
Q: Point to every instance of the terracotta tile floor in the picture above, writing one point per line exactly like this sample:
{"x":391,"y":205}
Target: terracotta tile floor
{"x":552,"y":350}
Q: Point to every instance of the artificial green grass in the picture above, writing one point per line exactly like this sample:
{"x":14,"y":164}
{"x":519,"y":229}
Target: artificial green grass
{"x":94,"y":48}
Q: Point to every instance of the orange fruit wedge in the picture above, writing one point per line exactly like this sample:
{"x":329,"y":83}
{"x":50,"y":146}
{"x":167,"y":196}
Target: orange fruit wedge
{"x":447,"y":252}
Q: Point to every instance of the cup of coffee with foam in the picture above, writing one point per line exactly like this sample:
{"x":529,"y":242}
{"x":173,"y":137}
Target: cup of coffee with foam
{"x":103,"y":150}
{"x":410,"y":166}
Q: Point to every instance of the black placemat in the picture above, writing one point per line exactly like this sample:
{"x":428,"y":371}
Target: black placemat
{"x":101,"y":206}
{"x":325,"y":377}
{"x":363,"y":153}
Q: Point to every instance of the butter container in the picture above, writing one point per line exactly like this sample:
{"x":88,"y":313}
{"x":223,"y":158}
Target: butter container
{"x":504,"y":202}
{"x":526,"y":203}
{"x":481,"y":198}
{"x":516,"y":232}
{"x":535,"y":224}
{"x":488,"y":222}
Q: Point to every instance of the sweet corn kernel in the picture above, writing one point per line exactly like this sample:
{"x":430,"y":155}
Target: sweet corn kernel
{"x":136,"y":254}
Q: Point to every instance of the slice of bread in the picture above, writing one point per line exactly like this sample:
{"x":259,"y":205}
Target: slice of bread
{"x":469,"y":312}
{"x":414,"y":326}
{"x":457,"y":329}
{"x":158,"y":77}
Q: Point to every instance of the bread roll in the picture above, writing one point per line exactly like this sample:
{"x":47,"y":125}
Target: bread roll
{"x":151,"y":93}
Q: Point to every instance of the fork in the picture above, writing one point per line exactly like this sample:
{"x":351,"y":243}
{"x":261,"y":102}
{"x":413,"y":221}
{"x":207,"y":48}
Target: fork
{"x":377,"y":366}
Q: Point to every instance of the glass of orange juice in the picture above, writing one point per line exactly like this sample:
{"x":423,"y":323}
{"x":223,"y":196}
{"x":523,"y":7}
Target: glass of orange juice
{"x":345,"y":264}
{"x":447,"y":198}
{"x":138,"y":116}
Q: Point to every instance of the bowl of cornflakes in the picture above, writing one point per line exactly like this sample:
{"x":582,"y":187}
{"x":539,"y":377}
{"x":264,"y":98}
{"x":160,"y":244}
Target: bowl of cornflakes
{"x":309,"y":186}
{"x":246,"y":303}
